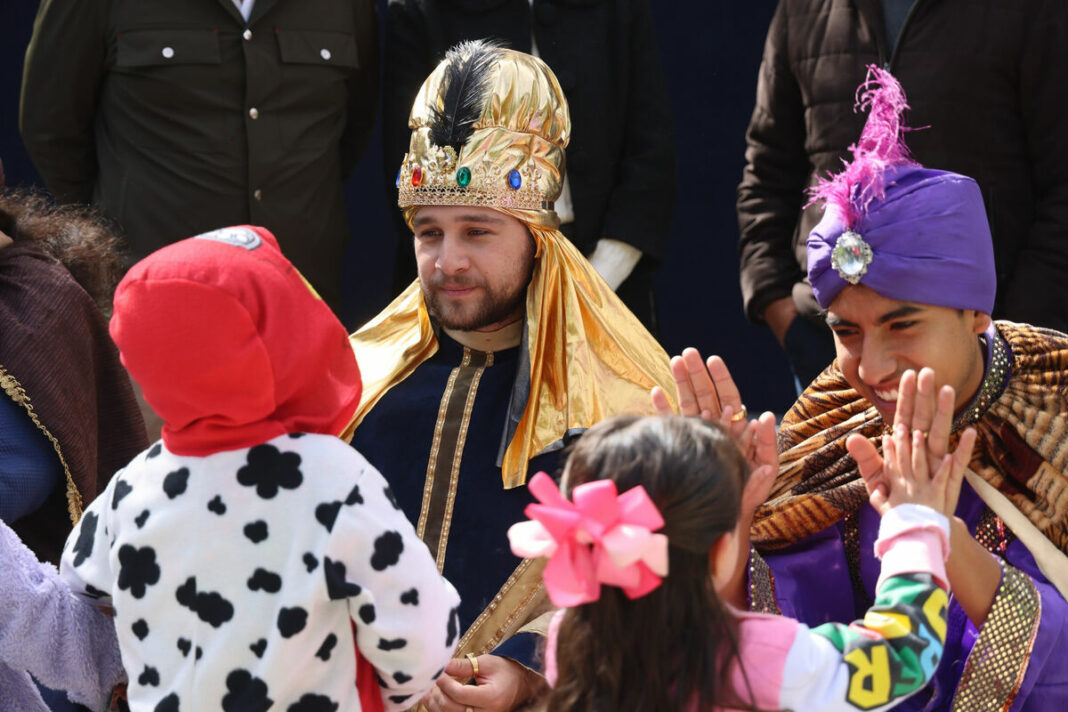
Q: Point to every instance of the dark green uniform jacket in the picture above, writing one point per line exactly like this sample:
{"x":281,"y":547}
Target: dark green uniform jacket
{"x":177,"y":116}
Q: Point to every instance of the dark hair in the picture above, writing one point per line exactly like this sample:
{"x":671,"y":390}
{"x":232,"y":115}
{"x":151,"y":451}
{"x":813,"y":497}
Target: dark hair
{"x":673,"y":646}
{"x":79,"y":236}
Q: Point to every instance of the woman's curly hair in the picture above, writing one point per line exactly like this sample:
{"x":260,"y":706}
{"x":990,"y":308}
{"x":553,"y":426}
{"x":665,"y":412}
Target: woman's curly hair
{"x":79,"y":236}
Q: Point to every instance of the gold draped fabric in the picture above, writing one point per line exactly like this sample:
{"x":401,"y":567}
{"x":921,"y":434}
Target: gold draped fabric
{"x":590,"y":358}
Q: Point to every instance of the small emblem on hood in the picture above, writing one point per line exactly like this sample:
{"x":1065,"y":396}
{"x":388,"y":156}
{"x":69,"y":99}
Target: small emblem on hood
{"x":236,"y":236}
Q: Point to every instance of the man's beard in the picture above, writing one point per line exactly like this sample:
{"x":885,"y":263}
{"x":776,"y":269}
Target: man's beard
{"x":493,"y":308}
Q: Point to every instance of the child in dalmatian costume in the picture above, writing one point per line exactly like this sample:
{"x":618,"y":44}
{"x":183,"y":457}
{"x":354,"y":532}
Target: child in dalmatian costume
{"x":251,"y":557}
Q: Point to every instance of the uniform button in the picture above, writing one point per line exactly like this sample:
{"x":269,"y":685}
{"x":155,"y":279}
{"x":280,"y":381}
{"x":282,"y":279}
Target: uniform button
{"x":247,"y":34}
{"x":324,"y":53}
{"x":257,"y":194}
{"x":254,"y":113}
{"x":167,"y":52}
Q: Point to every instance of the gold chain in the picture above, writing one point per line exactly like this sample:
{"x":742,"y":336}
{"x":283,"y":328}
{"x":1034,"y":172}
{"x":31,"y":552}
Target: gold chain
{"x":17,"y":393}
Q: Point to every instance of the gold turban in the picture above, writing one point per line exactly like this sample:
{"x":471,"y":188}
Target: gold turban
{"x":589,"y":357}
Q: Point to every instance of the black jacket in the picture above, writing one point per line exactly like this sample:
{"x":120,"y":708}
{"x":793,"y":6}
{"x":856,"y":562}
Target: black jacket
{"x":621,"y":160}
{"x":988,"y":80}
{"x":178,"y":117}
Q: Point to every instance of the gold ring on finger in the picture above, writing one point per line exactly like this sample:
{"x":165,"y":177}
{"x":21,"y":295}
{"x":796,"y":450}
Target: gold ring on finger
{"x":742,"y":414}
{"x":473,"y":659}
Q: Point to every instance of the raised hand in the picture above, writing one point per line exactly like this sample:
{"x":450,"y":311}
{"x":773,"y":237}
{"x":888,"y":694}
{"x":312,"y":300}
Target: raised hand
{"x":919,"y":407}
{"x":704,"y":388}
{"x":907,"y":477}
{"x":707,"y":389}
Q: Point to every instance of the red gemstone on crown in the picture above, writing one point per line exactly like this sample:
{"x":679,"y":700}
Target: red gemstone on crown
{"x":417,"y":176}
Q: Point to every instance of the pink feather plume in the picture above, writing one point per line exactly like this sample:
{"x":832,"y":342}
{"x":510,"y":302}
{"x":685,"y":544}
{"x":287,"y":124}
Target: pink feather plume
{"x":881,"y":146}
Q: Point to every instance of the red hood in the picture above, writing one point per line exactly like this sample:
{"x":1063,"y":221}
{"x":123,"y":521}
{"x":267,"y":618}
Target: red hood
{"x":231,"y":346}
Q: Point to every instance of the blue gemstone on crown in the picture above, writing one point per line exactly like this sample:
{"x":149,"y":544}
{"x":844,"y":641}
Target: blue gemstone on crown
{"x":514,"y":179}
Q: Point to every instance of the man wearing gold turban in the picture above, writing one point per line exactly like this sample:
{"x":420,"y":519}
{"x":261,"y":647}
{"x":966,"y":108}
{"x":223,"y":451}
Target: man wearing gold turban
{"x":507,"y":346}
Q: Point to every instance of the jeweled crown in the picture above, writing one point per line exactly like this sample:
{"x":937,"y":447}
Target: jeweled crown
{"x":489,"y":128}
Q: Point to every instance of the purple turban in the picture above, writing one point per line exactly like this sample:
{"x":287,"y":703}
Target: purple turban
{"x":929,"y":243}
{"x":911,"y":233}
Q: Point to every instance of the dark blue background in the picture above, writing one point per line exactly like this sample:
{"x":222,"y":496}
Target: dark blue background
{"x":711,"y":51}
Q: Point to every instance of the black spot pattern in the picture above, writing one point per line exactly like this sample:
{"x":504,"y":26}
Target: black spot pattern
{"x":326,"y":514}
{"x":246,"y":693}
{"x":210,"y":607}
{"x":394,"y":644}
{"x":93,"y":592}
{"x":154,"y":451}
{"x":410,"y":597}
{"x":398,"y":699}
{"x":258,"y":647}
{"x":140,"y":628}
{"x":149,"y":677}
{"x":296,"y":435}
{"x":264,"y":580}
{"x":185,"y":646}
{"x":291,"y":621}
{"x":168,"y":704}
{"x":175,"y":482}
{"x":268,"y":470}
{"x":453,"y":628}
{"x":217,"y":505}
{"x":310,"y":562}
{"x":336,"y":585}
{"x":83,"y":548}
{"x":388,"y":491}
{"x":367,"y":613}
{"x":141,"y":519}
{"x":401,"y":678}
{"x":323,"y":653}
{"x":199,"y":652}
{"x":256,"y":531}
{"x":388,"y":549}
{"x":313,"y":703}
{"x":354,"y":496}
{"x":137,"y":569}
{"x":122,"y":488}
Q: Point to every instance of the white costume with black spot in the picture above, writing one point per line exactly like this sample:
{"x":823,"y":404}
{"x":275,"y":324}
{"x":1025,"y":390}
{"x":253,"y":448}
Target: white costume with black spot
{"x":234,"y":578}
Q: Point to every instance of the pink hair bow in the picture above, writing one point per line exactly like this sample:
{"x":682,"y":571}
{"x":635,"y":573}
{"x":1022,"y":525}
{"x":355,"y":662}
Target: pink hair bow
{"x":599,"y":538}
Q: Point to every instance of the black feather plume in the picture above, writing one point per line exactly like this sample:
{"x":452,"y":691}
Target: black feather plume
{"x":461,"y":97}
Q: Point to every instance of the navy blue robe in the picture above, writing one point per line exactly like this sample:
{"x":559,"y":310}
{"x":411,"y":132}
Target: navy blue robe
{"x":398,"y":437}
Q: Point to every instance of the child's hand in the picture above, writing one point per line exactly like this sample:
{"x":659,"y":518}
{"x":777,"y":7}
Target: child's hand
{"x":906,"y":478}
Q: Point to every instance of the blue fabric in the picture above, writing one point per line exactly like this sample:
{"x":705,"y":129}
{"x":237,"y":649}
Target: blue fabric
{"x":396,"y":437}
{"x":29,"y":467}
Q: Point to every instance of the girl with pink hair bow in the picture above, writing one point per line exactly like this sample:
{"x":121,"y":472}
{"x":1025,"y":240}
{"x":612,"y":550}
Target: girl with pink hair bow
{"x":645,"y":555}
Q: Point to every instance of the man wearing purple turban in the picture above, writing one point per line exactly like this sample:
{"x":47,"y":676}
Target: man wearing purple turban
{"x":903,"y":266}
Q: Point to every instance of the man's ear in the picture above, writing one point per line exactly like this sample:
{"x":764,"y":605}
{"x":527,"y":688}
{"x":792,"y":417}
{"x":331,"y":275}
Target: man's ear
{"x":981,"y":323}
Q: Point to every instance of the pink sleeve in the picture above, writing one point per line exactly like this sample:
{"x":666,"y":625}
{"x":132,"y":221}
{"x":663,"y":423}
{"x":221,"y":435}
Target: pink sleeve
{"x":913,"y":539}
{"x":550,"y":647}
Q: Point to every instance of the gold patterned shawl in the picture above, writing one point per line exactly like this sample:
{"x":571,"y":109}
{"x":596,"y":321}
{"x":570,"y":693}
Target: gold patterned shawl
{"x":1020,"y":412}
